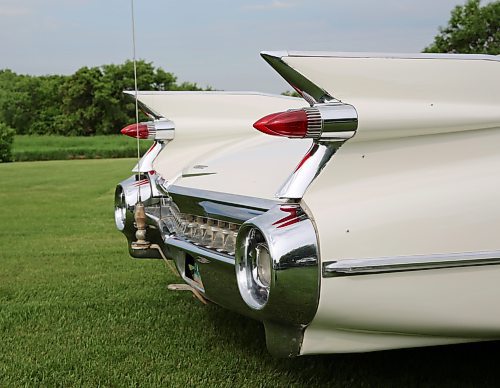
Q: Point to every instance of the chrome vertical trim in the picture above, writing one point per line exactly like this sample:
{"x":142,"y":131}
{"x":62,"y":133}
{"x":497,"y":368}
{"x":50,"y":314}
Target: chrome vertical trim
{"x":308,"y":169}
{"x":148,"y":158}
{"x":330,"y":125}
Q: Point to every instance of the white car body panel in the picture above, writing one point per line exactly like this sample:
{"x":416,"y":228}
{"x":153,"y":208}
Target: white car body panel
{"x":405,"y":96}
{"x":223,"y":121}
{"x":395,"y":193}
{"x":419,"y":178}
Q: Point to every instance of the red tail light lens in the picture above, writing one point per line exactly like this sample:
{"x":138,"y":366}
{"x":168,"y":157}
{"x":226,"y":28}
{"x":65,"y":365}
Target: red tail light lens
{"x":334,"y":121}
{"x":132,"y":130}
{"x":292,"y":123}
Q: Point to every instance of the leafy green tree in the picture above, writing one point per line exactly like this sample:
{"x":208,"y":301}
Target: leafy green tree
{"x":91,"y":101}
{"x":119,"y":109}
{"x":472,"y":28}
{"x":46,"y":100}
{"x":79,"y":113}
{"x":28,"y":103}
{"x":6,"y":139}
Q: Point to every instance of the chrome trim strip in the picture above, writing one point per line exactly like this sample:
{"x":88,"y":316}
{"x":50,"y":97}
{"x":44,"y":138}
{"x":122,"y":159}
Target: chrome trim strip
{"x":409,"y":263}
{"x":224,"y":93}
{"x":311,"y":92}
{"x":146,"y":109}
{"x":196,"y":251}
{"x":323,"y":54}
{"x":233,"y":199}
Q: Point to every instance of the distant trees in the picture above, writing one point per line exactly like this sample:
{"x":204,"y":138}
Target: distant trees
{"x":91,"y":101}
{"x":6,"y":139}
{"x":472,"y":28}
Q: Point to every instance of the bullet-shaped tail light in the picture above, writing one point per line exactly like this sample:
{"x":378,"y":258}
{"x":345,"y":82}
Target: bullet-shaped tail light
{"x":331,"y":121}
{"x":161,"y":129}
{"x":292,"y":123}
{"x":140,"y":130}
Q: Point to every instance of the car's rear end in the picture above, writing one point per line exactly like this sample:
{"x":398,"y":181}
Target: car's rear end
{"x":249,"y":227}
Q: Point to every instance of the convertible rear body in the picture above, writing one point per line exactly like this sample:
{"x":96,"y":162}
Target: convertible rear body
{"x":369,"y":221}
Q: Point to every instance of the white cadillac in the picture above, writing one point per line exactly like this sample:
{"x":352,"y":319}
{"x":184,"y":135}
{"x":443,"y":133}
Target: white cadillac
{"x":363,"y":216}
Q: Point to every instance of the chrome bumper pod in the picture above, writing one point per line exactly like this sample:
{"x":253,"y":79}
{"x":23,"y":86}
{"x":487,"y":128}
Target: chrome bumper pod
{"x":290,"y":300}
{"x":126,"y":195}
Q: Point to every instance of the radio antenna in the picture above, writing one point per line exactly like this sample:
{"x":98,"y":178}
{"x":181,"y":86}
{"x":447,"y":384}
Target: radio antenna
{"x":134,"y":61}
{"x":139,"y":211}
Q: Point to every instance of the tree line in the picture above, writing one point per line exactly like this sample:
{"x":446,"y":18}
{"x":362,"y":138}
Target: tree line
{"x":472,"y":29}
{"x":89,"y":102}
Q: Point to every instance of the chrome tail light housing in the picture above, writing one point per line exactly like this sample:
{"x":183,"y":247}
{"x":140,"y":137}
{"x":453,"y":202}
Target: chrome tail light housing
{"x":333,"y":121}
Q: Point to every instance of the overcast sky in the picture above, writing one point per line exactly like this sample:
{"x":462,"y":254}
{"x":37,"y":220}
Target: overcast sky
{"x":214,"y":42}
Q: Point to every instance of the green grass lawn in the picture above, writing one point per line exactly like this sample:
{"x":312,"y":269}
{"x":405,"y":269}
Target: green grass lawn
{"x":75,"y":310}
{"x":38,"y":147}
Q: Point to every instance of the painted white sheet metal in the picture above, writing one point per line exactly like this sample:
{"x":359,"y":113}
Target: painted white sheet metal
{"x":214,"y":129}
{"x":410,"y":95}
{"x":424,"y":195}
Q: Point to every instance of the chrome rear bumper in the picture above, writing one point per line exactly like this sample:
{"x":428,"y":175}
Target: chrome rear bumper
{"x":193,"y":228}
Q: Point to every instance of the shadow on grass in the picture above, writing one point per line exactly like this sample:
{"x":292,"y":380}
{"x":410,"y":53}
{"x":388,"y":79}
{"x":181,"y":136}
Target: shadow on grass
{"x":463,"y":365}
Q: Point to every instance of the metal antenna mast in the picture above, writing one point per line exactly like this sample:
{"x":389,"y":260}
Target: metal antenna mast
{"x":134,"y":60}
{"x":139,"y":211}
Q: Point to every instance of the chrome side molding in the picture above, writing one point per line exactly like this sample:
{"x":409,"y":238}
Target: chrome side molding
{"x":346,"y":267}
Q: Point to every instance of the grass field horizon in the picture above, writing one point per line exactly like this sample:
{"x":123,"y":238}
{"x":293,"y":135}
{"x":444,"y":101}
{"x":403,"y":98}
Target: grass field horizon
{"x":56,"y":147}
{"x":76,"y":310}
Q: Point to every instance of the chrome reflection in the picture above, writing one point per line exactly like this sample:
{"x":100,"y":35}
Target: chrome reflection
{"x":286,"y":289}
{"x":311,"y":92}
{"x":251,"y":280}
{"x":207,"y":232}
{"x":347,"y":267}
{"x":331,"y":123}
{"x":120,"y":208}
{"x":308,"y":169}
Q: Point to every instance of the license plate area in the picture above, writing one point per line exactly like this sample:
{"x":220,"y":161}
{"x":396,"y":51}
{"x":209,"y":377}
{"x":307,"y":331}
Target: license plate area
{"x":192,"y":271}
